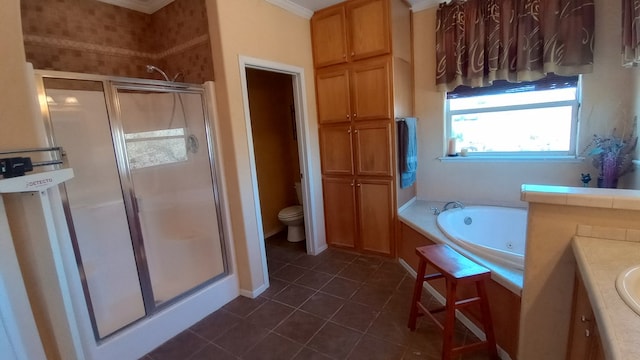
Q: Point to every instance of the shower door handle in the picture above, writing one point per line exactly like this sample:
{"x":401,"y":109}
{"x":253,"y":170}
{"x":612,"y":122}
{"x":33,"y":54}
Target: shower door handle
{"x":136,"y":204}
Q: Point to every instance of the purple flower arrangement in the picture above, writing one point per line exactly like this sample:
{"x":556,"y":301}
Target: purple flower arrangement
{"x":612,"y":156}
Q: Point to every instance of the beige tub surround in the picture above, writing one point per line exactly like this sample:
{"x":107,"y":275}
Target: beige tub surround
{"x":599,"y":263}
{"x":419,"y":216}
{"x":554,"y":215}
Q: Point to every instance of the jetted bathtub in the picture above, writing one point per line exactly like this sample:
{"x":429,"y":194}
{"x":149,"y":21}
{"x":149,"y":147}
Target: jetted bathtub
{"x":495,"y":233}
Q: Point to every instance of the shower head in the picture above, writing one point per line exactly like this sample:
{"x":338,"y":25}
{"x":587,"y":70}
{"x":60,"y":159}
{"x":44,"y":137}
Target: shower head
{"x":151,"y":68}
{"x":178,"y":76}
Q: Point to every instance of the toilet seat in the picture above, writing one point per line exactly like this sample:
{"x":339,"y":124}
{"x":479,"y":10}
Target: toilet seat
{"x":291,"y":212}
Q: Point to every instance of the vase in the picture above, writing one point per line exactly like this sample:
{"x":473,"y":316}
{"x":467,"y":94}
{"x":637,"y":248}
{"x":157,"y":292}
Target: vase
{"x":609,"y":172}
{"x":608,"y":183}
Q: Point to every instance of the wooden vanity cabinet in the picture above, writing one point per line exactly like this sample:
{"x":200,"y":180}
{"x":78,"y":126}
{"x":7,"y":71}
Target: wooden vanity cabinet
{"x":350,"y":31}
{"x":584,"y":339}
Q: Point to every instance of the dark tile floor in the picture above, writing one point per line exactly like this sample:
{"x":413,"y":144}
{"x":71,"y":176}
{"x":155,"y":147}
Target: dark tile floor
{"x":337,"y":305}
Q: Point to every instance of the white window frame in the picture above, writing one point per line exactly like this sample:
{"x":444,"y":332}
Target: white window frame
{"x":570,"y":154}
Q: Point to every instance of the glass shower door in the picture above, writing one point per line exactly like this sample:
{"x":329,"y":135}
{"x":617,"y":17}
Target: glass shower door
{"x":166,"y":151}
{"x":95,"y":203}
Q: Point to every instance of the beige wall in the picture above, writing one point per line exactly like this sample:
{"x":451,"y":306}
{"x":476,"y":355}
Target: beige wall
{"x":608,"y":96}
{"x":274,"y":146}
{"x":17,"y":118}
{"x":256,"y":29}
{"x":17,"y":122}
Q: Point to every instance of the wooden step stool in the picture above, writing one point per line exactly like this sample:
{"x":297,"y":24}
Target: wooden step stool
{"x":455,"y":269}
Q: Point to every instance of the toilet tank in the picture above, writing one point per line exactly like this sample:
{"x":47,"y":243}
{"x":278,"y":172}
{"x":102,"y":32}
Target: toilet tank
{"x":298,"y":187}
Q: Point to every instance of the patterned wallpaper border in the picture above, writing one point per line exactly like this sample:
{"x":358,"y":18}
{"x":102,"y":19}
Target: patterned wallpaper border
{"x":111,"y":50}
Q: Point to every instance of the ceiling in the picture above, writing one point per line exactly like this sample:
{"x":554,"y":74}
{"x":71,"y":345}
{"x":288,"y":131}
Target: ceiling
{"x":314,"y":5}
{"x":303,"y":8}
{"x":145,"y":6}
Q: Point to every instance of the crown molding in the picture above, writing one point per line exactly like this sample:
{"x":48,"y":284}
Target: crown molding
{"x":292,"y":7}
{"x":145,"y":6}
{"x":424,"y":4}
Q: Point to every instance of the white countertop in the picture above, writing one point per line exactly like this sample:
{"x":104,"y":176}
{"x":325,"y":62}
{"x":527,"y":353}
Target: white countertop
{"x":418,"y":216}
{"x":581,"y":196}
{"x":599,"y":262}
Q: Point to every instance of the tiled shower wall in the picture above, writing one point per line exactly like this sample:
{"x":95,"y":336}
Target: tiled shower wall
{"x":92,"y":37}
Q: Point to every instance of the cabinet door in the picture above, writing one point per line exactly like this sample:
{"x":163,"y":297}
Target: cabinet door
{"x":332,"y":94}
{"x":373,"y":148}
{"x":368,"y":28}
{"x":329,"y":36}
{"x":340,"y":211}
{"x":335,"y":150}
{"x":371,"y":89}
{"x":584,"y":341}
{"x":375,"y":215}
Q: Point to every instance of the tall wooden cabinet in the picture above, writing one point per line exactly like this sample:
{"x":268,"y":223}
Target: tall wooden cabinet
{"x":357,"y":57}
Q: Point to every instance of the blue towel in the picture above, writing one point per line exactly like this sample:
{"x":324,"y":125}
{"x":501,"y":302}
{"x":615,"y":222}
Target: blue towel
{"x":407,"y":151}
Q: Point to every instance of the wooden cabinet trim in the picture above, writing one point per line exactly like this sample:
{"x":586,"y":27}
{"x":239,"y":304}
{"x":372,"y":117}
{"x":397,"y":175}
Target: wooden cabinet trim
{"x":336,"y":149}
{"x":361,"y":40}
{"x":371,"y":88}
{"x":333,"y":95}
{"x":351,"y":31}
{"x":373,"y":148}
{"x":332,"y":48}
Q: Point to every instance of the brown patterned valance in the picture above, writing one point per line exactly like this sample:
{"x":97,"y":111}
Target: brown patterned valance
{"x":478,"y":41}
{"x":630,"y":32}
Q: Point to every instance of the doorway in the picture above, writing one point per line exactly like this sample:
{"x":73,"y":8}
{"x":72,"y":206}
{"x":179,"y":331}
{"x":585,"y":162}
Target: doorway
{"x":275,"y":144}
{"x":310,"y":185}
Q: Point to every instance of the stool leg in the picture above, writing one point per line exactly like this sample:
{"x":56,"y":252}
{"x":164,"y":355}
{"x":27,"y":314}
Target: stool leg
{"x":486,"y":320}
{"x":417,"y":293}
{"x":449,"y":321}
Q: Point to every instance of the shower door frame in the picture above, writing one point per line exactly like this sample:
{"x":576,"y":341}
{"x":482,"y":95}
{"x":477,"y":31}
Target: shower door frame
{"x":111,"y":85}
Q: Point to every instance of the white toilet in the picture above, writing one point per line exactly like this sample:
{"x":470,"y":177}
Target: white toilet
{"x":293,"y":217}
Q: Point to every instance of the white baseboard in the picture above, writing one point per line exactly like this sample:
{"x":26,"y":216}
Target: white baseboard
{"x":460,"y":316}
{"x":252,"y":294}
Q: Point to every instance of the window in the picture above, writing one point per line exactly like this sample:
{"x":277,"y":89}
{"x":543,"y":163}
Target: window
{"x":158,"y":147}
{"x":536,"y":118}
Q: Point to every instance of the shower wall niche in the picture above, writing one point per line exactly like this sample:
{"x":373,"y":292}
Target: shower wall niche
{"x":143,"y":209}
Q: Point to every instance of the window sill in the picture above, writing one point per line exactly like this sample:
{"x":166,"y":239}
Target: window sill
{"x":514,"y":158}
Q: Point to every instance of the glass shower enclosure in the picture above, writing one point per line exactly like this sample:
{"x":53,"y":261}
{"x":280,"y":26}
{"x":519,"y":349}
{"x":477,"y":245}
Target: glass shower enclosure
{"x":143,"y":208}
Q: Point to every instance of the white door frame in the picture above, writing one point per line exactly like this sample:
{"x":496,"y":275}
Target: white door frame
{"x":313,"y":210}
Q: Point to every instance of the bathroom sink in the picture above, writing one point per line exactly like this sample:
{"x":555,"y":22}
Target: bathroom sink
{"x":628,"y":286}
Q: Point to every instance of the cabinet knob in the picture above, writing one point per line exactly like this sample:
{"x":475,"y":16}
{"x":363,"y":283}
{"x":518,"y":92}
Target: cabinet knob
{"x":587,"y":333}
{"x":355,"y":115}
{"x":344,"y":56}
{"x":352,"y":183}
{"x":355,"y":131}
{"x":584,"y":319}
{"x":349,"y":131}
{"x":353,"y":53}
{"x":359,"y":185}
{"x":348,"y":116}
